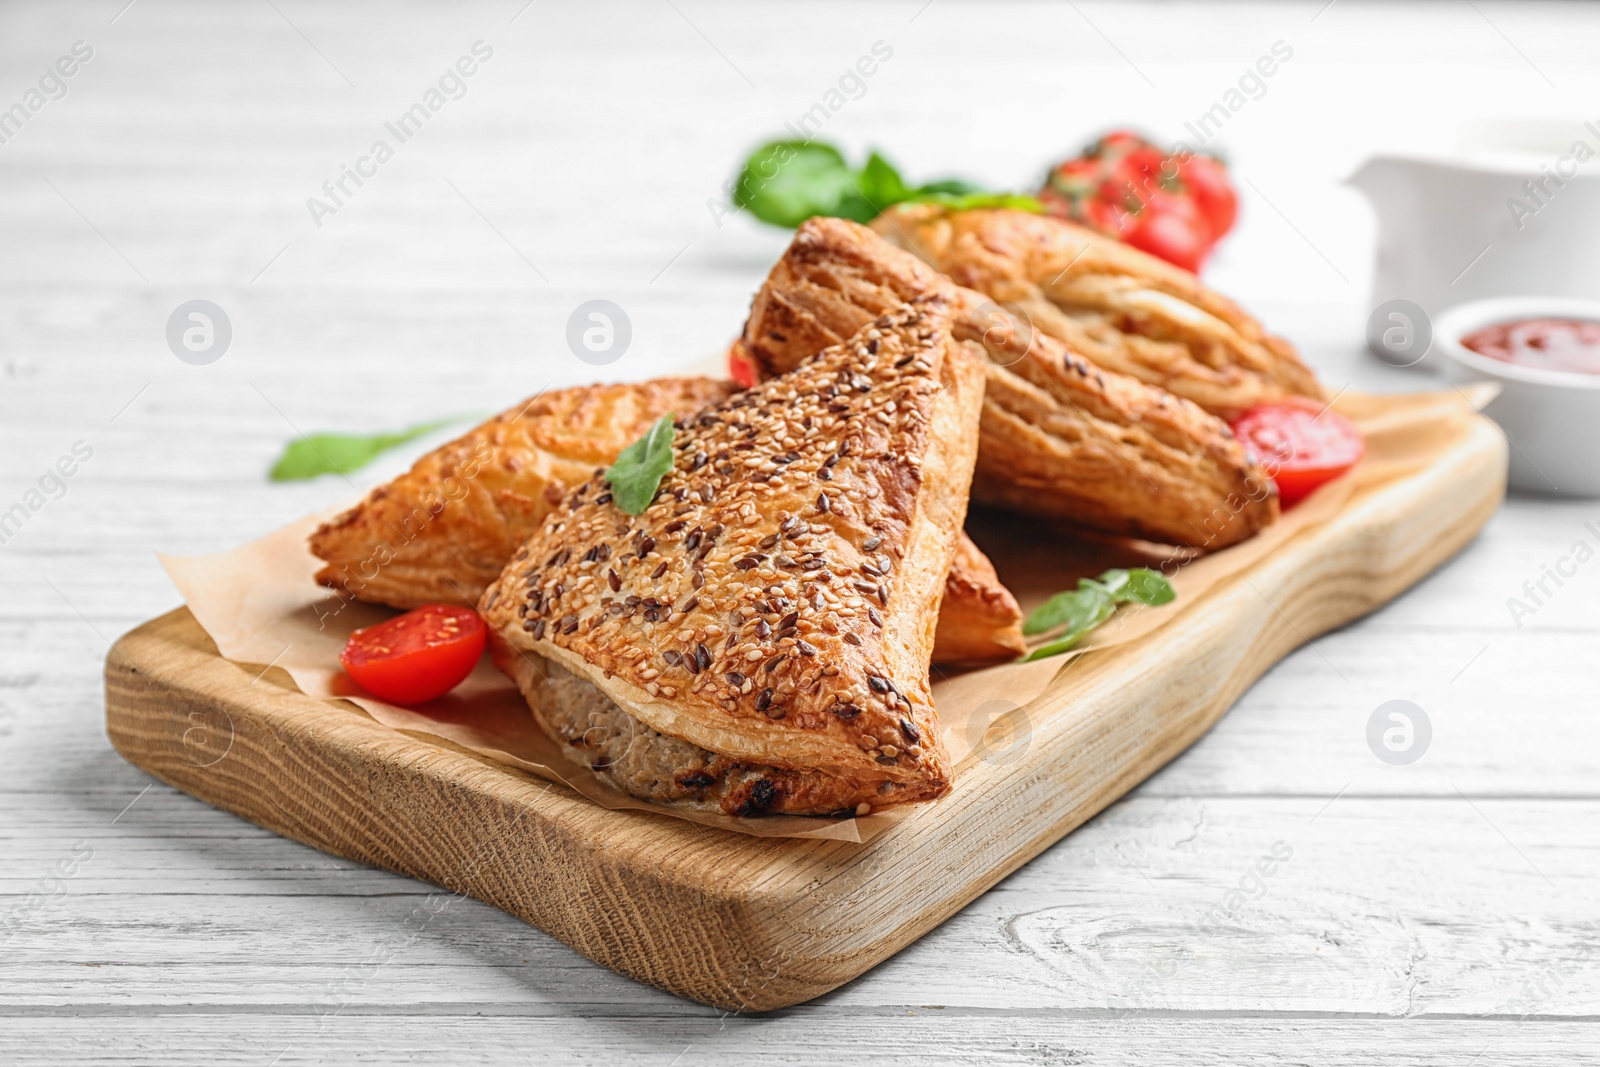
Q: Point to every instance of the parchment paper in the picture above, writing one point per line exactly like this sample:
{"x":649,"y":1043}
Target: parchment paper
{"x":261,"y":606}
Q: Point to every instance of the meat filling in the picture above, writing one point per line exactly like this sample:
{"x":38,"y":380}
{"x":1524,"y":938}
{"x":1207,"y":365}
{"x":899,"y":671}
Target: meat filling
{"x":594,"y":731}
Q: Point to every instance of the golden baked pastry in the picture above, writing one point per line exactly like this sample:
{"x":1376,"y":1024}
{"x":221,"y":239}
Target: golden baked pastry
{"x":979,"y":620}
{"x":763,"y":629}
{"x":1061,"y":437}
{"x":441,"y":532}
{"x":1120,"y":308}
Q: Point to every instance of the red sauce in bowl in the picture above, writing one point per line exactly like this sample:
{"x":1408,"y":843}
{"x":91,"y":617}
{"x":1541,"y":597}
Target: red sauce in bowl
{"x":1571,"y":345}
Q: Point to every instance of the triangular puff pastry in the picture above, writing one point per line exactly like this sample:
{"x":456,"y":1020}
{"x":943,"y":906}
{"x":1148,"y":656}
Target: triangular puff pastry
{"x":1061,"y":437}
{"x":758,"y":639}
{"x":1123,"y":309}
{"x":446,"y":528}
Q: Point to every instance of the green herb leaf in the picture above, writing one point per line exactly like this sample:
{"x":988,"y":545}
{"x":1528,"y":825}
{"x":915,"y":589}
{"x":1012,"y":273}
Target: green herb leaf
{"x":874,"y":188}
{"x":339,"y":453}
{"x":1095,"y":608}
{"x":1071,"y":609}
{"x":637,"y":473}
{"x":880,"y":183}
{"x":1095,"y":600}
{"x":1115,"y":582}
{"x":786,"y":182}
{"x":953,"y":186}
{"x":1148,"y":587}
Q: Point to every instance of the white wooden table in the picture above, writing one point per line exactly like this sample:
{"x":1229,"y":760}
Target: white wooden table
{"x":1441,"y":912}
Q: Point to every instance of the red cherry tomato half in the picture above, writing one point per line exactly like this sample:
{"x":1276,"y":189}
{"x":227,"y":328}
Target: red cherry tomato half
{"x":740,"y":369}
{"x":417,"y":656}
{"x":1301,"y":442}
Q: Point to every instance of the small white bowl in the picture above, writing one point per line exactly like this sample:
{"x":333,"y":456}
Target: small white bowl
{"x":1551,"y":418}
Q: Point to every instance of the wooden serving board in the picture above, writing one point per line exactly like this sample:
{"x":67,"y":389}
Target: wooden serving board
{"x":749,"y":923}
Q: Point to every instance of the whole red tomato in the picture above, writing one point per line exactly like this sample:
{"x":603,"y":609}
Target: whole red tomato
{"x":1175,"y":238}
{"x":1207,"y":180}
{"x":1175,"y":207}
{"x":1108,"y":216}
{"x":1116,"y":144}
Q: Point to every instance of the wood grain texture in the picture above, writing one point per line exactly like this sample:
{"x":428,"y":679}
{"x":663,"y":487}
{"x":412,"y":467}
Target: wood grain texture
{"x":748,"y":924}
{"x":928,"y":1035}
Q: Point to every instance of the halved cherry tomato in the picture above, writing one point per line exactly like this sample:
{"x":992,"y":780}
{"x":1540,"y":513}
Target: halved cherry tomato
{"x":740,"y":369}
{"x":417,"y":656}
{"x":1301,"y":442}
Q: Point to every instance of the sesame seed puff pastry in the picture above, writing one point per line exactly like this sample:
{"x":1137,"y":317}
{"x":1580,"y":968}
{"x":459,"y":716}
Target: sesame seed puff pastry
{"x":1061,"y":437}
{"x":444,"y":530}
{"x":758,"y":639}
{"x":1120,"y":308}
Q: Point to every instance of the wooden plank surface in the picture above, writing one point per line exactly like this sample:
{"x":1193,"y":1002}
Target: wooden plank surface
{"x":191,"y":142}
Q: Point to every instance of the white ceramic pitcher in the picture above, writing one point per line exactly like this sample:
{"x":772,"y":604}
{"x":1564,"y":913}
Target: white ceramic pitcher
{"x":1515,"y":212}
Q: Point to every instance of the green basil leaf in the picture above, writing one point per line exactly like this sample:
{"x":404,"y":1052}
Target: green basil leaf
{"x":784,"y":183}
{"x":339,"y":453}
{"x":953,"y":186}
{"x":1070,"y":609}
{"x":1101,"y":608}
{"x":879,"y":183}
{"x":787,"y":182}
{"x":637,"y":473}
{"x":1116,"y":584}
{"x":857,"y":208}
{"x":1149,"y":587}
{"x":1095,"y":600}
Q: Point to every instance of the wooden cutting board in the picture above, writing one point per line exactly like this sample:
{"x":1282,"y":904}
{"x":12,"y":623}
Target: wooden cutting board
{"x":750,"y":923}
